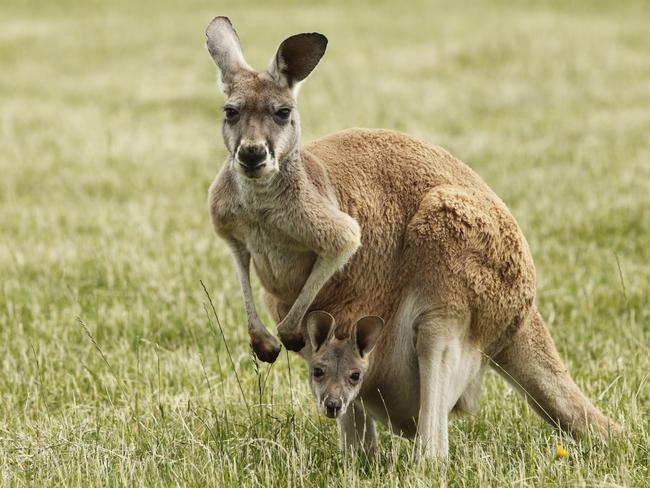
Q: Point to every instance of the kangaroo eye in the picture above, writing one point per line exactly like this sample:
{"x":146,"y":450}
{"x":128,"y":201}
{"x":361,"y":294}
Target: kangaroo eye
{"x":283,"y":113}
{"x":318,"y":372}
{"x":230,"y":113}
{"x":355,"y":376}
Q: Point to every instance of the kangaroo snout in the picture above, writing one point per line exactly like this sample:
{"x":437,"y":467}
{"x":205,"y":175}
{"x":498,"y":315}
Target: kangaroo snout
{"x":252,"y":156}
{"x":333,"y":407}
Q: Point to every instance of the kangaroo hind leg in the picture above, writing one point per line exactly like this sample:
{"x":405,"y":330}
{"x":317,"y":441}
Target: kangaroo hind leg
{"x":447,"y":366}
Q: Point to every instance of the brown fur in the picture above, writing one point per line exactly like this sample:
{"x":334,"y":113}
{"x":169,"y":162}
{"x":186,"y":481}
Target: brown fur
{"x":376,"y":222}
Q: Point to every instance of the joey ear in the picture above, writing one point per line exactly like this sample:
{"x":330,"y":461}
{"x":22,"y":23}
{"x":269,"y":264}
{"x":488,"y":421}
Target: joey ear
{"x":319,"y":327}
{"x":366,"y":332}
{"x":297,"y":56}
{"x":225,"y":49}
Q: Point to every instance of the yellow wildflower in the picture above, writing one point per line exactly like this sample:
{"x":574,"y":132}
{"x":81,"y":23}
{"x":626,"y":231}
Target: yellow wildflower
{"x":560,"y":453}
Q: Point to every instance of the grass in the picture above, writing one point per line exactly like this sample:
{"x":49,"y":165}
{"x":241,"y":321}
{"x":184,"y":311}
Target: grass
{"x":114,"y":369}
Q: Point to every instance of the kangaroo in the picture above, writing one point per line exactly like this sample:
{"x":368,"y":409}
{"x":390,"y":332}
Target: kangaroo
{"x":374,"y":223}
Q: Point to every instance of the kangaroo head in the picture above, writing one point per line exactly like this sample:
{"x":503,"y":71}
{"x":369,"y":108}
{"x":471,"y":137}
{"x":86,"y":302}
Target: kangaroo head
{"x":340,"y":359}
{"x":261,"y":125}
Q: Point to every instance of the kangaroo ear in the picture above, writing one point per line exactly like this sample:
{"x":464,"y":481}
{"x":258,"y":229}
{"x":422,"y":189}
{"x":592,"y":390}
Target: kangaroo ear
{"x":366,"y":332}
{"x":223,"y":45}
{"x":319,"y":327}
{"x":297,"y":56}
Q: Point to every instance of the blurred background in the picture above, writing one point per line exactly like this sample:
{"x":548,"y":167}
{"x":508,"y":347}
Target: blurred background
{"x":113,"y":367}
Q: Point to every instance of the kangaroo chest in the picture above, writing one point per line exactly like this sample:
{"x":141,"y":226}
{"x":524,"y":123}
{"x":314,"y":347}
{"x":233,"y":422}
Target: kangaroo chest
{"x":281,"y":264}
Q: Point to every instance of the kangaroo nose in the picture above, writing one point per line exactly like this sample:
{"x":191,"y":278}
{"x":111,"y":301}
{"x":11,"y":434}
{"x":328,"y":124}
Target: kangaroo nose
{"x":333,"y":406}
{"x":251,"y":156}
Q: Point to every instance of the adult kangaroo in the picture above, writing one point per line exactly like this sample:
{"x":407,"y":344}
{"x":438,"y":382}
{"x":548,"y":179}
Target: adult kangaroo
{"x":376,"y":222}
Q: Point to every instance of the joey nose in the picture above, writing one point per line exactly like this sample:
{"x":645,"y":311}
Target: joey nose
{"x":333,"y":406}
{"x":333,"y":403}
{"x":251,"y":156}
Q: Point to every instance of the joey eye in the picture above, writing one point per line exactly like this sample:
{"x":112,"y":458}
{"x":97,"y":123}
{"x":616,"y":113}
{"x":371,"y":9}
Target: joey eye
{"x":283,"y":113}
{"x":355,"y":376}
{"x":318,"y":373}
{"x":230,"y":113}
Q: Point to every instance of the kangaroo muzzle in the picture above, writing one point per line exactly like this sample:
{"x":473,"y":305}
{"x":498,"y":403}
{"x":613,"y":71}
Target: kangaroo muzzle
{"x":253,"y":159}
{"x":333,"y":407}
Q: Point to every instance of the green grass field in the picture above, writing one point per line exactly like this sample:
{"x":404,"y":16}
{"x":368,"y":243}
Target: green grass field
{"x":113,"y":368}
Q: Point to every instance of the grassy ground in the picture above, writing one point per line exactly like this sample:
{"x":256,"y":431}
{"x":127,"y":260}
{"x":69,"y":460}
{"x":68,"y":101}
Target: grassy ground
{"x":114,"y":370}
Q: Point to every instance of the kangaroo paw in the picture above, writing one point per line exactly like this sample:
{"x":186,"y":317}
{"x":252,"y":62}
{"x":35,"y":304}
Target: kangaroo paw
{"x":266,"y":349}
{"x":293,"y":341}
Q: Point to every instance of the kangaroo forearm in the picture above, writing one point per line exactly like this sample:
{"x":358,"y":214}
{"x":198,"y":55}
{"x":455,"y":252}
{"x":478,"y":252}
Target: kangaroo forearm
{"x":335,"y":239}
{"x":249,"y":301}
{"x":242,"y":261}
{"x":324,"y":268}
{"x":266,"y":346}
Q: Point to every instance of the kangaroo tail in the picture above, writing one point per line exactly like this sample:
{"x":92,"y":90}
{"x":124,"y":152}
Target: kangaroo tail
{"x":532,"y":364}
